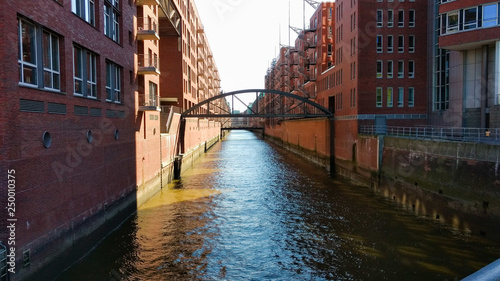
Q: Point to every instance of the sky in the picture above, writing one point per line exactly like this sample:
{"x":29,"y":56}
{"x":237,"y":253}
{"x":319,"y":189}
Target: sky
{"x":244,"y":36}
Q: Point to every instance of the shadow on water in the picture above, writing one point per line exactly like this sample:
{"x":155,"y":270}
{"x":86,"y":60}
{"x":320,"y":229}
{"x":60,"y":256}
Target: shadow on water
{"x":249,"y":211}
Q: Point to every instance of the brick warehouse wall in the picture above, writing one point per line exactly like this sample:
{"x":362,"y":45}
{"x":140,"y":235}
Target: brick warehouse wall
{"x":77,"y":189}
{"x":73,"y":187}
{"x":309,"y":138}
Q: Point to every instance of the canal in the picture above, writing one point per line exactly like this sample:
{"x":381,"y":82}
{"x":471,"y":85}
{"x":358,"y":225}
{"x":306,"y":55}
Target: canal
{"x":250,"y":211}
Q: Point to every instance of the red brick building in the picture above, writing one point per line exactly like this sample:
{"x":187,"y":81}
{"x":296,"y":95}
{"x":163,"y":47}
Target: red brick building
{"x":67,"y":89}
{"x":380,"y":71}
{"x":372,"y":72}
{"x":297,"y":68}
{"x":88,"y":125}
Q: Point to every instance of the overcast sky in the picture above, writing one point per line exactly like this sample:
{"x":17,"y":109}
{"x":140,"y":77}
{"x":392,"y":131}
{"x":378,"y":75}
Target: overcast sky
{"x":244,"y":36}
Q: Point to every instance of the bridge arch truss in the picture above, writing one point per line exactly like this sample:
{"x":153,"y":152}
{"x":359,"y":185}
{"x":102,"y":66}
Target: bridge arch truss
{"x":267,"y":104}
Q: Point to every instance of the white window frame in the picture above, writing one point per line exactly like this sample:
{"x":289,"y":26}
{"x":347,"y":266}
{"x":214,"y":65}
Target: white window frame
{"x":471,"y":25}
{"x":411,"y":69}
{"x":379,"y":97}
{"x":87,"y":66}
{"x":411,"y":43}
{"x":401,"y":97}
{"x":401,"y":23}
{"x":380,"y":69}
{"x":380,"y":18}
{"x":411,"y":97}
{"x":390,"y":18}
{"x":401,"y":43}
{"x":390,"y":43}
{"x":411,"y":23}
{"x":401,"y":69}
{"x":51,"y":61}
{"x":390,"y":69}
{"x":111,"y":20}
{"x":454,"y":28}
{"x":31,"y":65}
{"x":44,"y":63}
{"x":113,"y":82}
{"x":85,"y":9}
{"x":390,"y":96}
{"x":380,"y":39}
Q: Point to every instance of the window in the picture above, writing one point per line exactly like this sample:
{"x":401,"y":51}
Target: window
{"x":153,"y":94}
{"x":51,"y":74}
{"x":411,"y":43}
{"x":354,"y":71}
{"x":441,"y":95}
{"x":490,"y":14}
{"x":379,"y":44}
{"x":85,"y":9}
{"x":379,"y":69}
{"x":401,"y":96}
{"x":378,"y":97}
{"x":401,"y":43}
{"x":411,"y":69}
{"x":84,"y":72}
{"x":389,"y":97}
{"x":390,"y":18}
{"x":401,"y":69}
{"x":390,"y":43}
{"x":330,"y":50}
{"x":411,"y":20}
{"x":113,"y":82}
{"x":353,"y":98}
{"x":411,"y":97}
{"x":380,"y":18}
{"x":470,"y":18}
{"x":401,"y":18}
{"x":390,"y":67}
{"x":111,"y":20}
{"x":452,"y":22}
{"x":37,"y":52}
{"x":27,"y":53}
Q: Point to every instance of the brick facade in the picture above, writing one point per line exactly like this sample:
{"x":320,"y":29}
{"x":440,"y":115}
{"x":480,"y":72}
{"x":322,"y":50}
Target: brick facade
{"x":83,"y":124}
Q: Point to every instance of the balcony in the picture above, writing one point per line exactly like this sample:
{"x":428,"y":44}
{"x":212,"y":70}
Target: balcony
{"x":147,"y":29}
{"x":147,"y":2}
{"x":168,"y":11}
{"x":149,"y":103}
{"x":148,"y":64}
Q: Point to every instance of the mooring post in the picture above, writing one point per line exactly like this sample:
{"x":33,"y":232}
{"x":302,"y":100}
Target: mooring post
{"x":180,"y":150}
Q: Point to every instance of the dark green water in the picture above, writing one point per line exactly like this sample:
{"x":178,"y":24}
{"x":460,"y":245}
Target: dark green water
{"x":249,"y":211}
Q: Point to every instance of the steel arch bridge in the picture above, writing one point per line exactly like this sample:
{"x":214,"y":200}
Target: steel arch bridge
{"x":267,"y":104}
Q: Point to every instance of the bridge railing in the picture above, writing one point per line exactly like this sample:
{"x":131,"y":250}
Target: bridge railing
{"x":461,"y":134}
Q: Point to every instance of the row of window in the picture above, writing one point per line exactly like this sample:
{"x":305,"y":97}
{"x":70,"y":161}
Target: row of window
{"x":400,"y":100}
{"x":390,"y":44}
{"x":481,"y":16}
{"x":339,"y":100}
{"x":400,"y":18}
{"x":86,"y":10}
{"x":39,"y":64}
{"x":390,"y":69}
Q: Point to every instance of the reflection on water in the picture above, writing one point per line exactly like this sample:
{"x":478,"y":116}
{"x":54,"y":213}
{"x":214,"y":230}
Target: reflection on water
{"x":248,"y":211}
